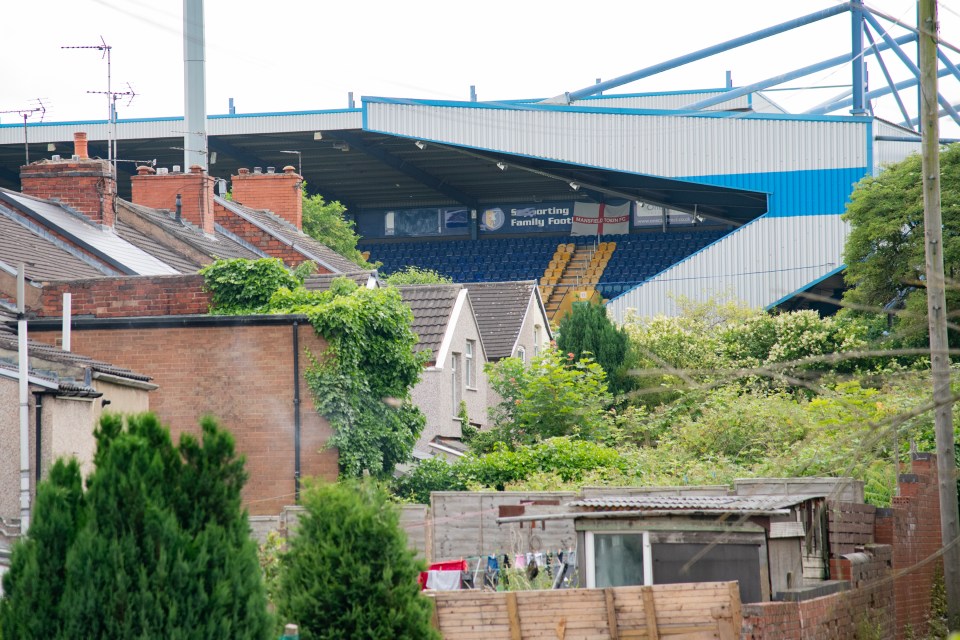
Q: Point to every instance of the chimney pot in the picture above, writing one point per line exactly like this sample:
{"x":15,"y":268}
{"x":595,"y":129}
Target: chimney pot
{"x":271,"y":169}
{"x":257,"y":170}
{"x":289,"y":169}
{"x":176,"y":168}
{"x":195,"y":168}
{"x":55,"y":158}
{"x":80,"y":145}
{"x":243,"y":171}
{"x":162,"y":171}
{"x":144,"y":170}
{"x":74,"y":157}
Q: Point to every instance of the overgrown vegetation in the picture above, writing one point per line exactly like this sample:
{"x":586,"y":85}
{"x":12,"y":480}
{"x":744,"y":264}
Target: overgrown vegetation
{"x":362,"y":382}
{"x":157,"y":546}
{"x":416,"y":275}
{"x":588,"y":332}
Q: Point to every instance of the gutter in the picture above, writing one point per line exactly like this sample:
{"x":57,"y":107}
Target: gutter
{"x":641,"y":513}
{"x":126,"y":382}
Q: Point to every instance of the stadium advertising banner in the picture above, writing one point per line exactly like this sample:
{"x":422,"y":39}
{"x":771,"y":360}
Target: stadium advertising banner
{"x":543,"y":217}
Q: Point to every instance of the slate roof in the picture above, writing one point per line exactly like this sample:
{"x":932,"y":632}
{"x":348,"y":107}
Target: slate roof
{"x":221,"y":245}
{"x":44,"y":257}
{"x":321,"y":281}
{"x":432,"y":306}
{"x":500,"y":308}
{"x":154,"y":247}
{"x":289,"y":234}
{"x":40,"y":352}
{"x":698,"y":504}
{"x":114,"y":250}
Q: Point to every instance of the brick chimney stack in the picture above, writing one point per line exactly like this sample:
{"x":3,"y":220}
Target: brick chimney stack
{"x":158,"y":190}
{"x":278,"y":192}
{"x":82,"y":183}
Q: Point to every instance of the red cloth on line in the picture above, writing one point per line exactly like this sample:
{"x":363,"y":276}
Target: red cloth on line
{"x":450,"y":565}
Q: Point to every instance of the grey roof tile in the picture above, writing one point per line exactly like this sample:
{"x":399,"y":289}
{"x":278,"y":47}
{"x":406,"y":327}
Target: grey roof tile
{"x":432,"y":306}
{"x":286,"y":232}
{"x":44,"y":258}
{"x":321,"y":281}
{"x":156,"y":248}
{"x":500,"y":308}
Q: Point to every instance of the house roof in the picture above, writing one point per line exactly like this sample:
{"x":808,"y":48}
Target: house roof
{"x":500,"y":308}
{"x":693,"y":504}
{"x":321,"y":281}
{"x":432,"y":306}
{"x":43,"y":256}
{"x":222,"y":244}
{"x":106,"y":245}
{"x":290,"y":235}
{"x":43,"y":355}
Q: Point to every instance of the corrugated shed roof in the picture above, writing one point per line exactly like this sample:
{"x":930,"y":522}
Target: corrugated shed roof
{"x":43,"y":258}
{"x":321,"y":281}
{"x":289,"y":234}
{"x":432,"y":306}
{"x":713,"y":504}
{"x":500,"y":308}
{"x":114,"y":248}
{"x":220,"y":245}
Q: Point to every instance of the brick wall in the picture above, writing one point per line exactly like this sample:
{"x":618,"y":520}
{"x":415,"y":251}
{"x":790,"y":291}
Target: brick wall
{"x":127,"y":296}
{"x":159,"y":191}
{"x":868,"y":604}
{"x":278,"y":192}
{"x":912,"y":527}
{"x":261,"y":239}
{"x":85,"y":185}
{"x":240,"y":373}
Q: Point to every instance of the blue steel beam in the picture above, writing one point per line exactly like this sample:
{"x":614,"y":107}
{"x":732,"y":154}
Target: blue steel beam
{"x":702,"y":53}
{"x":857,"y":58}
{"x":786,"y":77}
{"x":915,"y":121}
{"x":886,"y":74}
{"x":909,"y":64}
{"x":408,"y":169}
{"x":869,"y":95}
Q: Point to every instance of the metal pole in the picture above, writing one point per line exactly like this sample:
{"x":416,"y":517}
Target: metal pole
{"x":856,"y":53}
{"x":195,"y":86}
{"x":936,"y":309}
{"x":26,"y":144}
{"x":23,"y":365}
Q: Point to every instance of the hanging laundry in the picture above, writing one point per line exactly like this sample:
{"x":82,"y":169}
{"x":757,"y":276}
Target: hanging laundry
{"x":444,"y":580}
{"x":520,"y":561}
{"x":491,"y":577}
{"x":532,"y":570}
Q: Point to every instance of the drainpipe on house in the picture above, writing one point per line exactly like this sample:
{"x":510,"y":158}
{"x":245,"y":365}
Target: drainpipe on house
{"x":296,"y":411}
{"x":24,"y":401}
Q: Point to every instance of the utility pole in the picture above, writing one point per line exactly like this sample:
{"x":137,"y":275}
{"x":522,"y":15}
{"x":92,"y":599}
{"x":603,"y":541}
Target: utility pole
{"x":937,"y":307}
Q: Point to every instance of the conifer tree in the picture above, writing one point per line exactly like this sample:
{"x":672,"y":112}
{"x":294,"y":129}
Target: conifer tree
{"x":587,"y":329}
{"x":348,"y":572}
{"x":158,"y":548}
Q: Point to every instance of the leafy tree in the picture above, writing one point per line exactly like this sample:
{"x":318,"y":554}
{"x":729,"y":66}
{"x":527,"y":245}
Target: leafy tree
{"x":416,"y":275}
{"x":157,"y":547}
{"x":588,"y":331}
{"x":348,"y":572}
{"x":885,"y":250}
{"x":325,"y":222}
{"x":555,"y":395}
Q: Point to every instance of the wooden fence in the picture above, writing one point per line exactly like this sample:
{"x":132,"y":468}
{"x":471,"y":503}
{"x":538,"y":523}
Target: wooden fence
{"x":698,"y":611}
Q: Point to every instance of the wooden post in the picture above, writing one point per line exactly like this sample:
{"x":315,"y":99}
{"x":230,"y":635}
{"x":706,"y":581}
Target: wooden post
{"x":650,"y":613}
{"x":513,"y":614}
{"x":937,"y":307}
{"x":608,"y":595}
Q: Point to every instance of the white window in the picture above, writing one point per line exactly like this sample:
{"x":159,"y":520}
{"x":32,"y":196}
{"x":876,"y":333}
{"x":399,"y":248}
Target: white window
{"x":522,"y":354}
{"x":469,"y":364}
{"x":536,"y":341}
{"x":455,"y":381}
{"x":388,"y":222}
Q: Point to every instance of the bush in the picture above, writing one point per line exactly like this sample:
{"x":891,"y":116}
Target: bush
{"x":348,"y":572}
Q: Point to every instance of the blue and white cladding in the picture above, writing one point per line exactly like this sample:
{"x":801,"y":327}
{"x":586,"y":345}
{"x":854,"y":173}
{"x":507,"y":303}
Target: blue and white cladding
{"x":887,"y":151}
{"x":759,"y":265}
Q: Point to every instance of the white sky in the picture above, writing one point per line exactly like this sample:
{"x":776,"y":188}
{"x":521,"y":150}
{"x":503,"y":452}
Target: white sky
{"x":307,"y":54}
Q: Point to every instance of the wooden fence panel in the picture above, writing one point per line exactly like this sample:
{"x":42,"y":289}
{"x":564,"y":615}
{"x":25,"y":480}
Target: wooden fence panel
{"x":699,"y":611}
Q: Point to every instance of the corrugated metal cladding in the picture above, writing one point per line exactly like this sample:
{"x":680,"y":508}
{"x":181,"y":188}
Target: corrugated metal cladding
{"x":886,"y":152}
{"x":759,"y":264}
{"x":757,"y":102}
{"x":173,"y":127}
{"x":661,"y":145}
